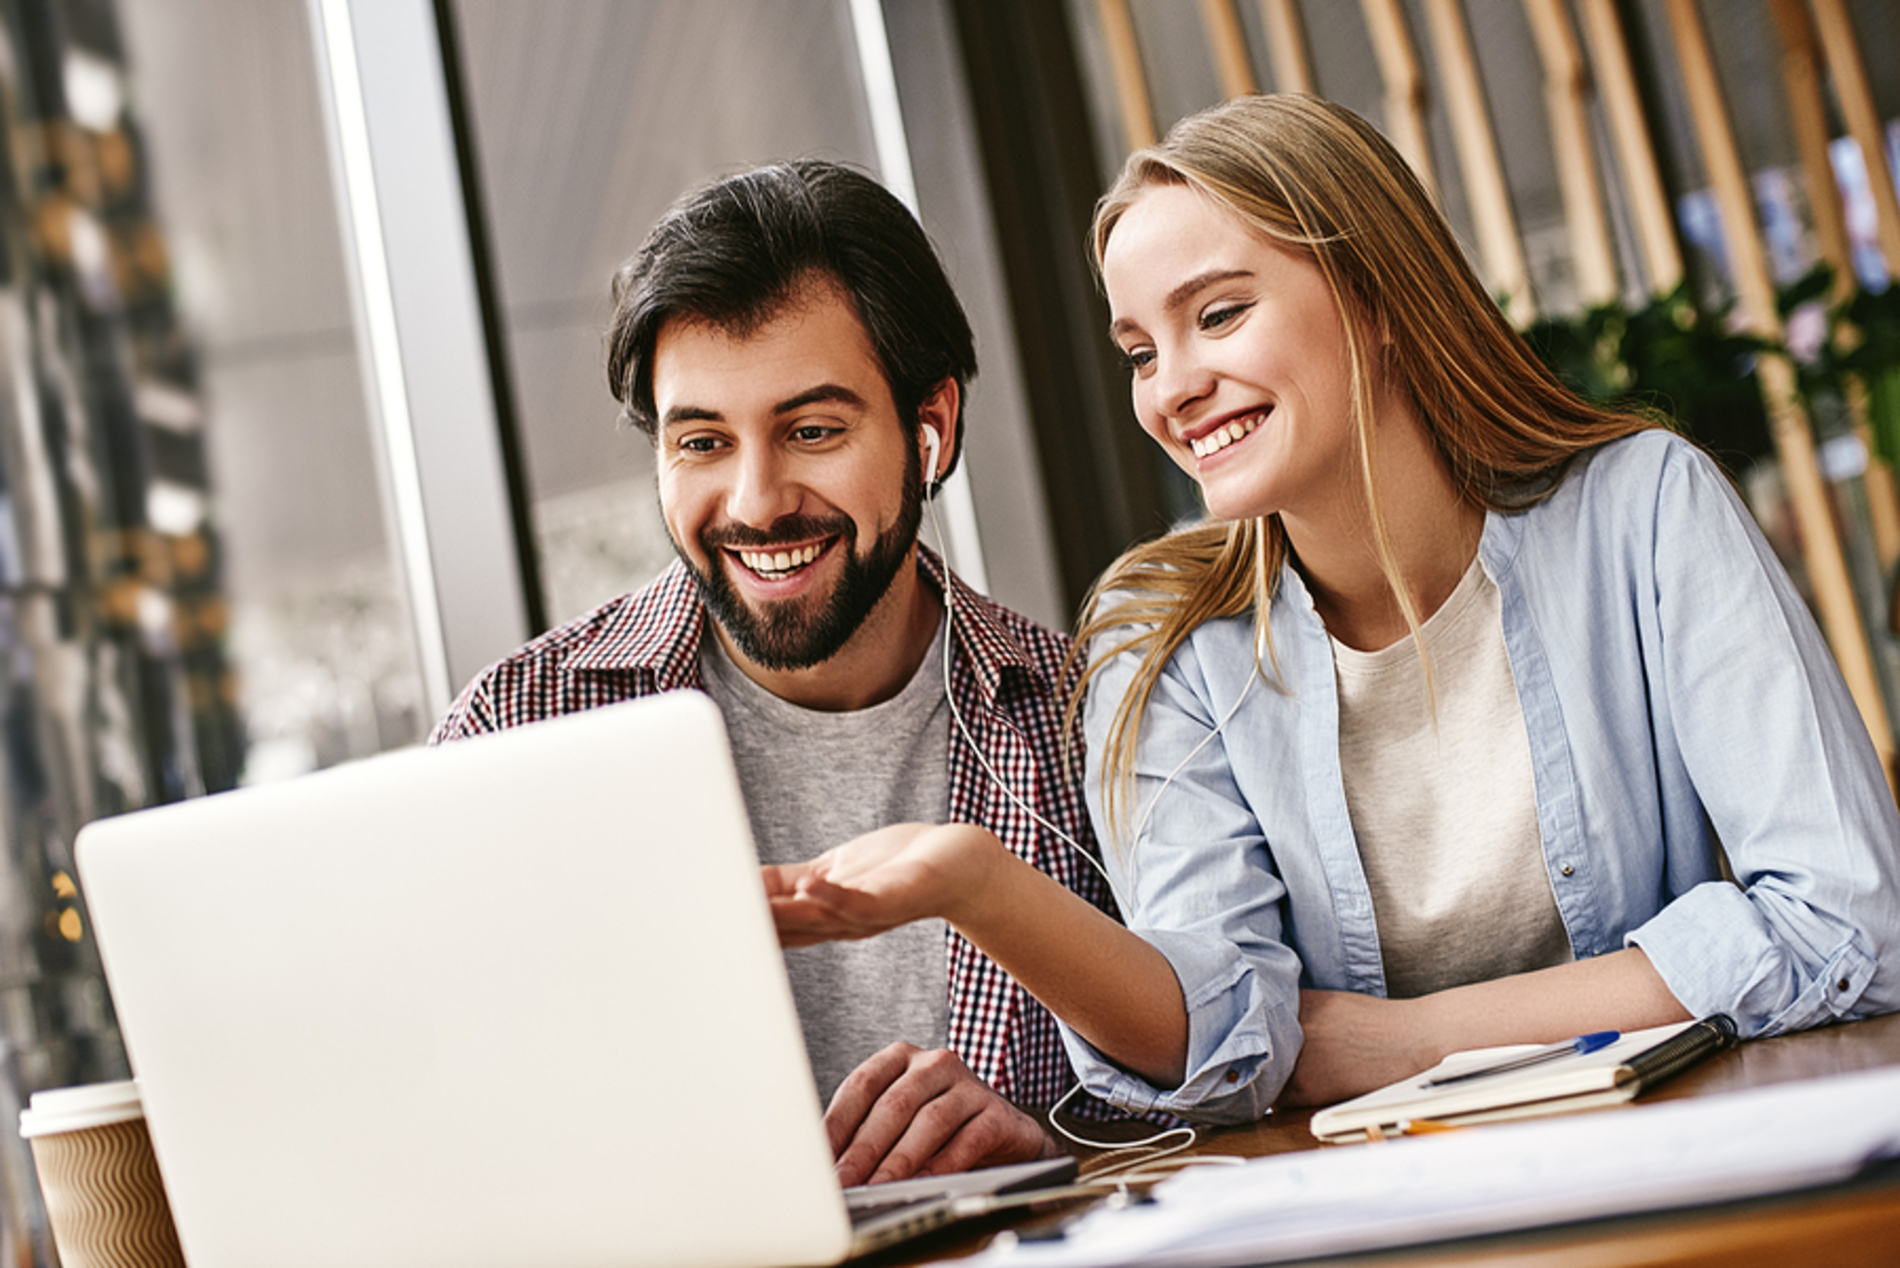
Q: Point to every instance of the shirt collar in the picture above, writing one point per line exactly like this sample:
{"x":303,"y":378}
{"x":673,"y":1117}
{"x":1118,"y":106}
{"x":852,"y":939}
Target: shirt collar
{"x":1503,"y":533}
{"x":987,"y":650}
{"x":657,"y":630}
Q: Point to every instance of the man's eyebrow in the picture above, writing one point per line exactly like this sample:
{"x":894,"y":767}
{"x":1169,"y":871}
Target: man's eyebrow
{"x":825,"y":392}
{"x":689,"y":414}
{"x":1181,"y":294}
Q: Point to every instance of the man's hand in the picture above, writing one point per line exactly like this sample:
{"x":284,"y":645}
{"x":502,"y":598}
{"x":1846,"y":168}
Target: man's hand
{"x":906,"y":872}
{"x":907,"y":1112}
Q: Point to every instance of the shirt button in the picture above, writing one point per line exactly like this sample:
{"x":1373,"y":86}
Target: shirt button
{"x":1233,"y":1076}
{"x":1568,"y":870}
{"x":1842,"y":985}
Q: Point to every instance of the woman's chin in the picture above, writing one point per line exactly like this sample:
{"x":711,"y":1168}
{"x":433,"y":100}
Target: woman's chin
{"x":1227,"y":505}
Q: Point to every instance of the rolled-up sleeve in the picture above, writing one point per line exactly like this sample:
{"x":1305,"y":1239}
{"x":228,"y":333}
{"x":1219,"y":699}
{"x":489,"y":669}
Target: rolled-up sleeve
{"x":1780,"y":760}
{"x":1194,"y":877}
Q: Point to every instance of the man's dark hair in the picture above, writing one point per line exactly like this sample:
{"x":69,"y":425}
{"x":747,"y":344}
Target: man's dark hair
{"x":734,"y":253}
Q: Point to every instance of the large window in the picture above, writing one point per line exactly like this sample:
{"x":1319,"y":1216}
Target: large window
{"x":194,"y":581}
{"x":228,"y":98}
{"x":590,"y":118}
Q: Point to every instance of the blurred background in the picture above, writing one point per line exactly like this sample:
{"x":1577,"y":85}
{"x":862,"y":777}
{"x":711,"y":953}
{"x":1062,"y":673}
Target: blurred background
{"x":303,"y":415}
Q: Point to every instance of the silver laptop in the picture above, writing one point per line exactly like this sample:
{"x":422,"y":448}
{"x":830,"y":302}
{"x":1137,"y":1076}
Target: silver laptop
{"x":513,"y":1001}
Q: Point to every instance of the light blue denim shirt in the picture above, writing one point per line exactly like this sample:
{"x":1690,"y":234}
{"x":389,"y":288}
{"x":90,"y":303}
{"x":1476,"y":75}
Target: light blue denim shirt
{"x":1676,"y":693}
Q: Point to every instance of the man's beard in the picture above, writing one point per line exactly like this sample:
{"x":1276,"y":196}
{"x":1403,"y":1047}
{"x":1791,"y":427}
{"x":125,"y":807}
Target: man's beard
{"x":786,"y":635}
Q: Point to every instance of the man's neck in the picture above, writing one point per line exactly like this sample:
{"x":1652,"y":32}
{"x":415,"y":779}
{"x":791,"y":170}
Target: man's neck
{"x":876,"y":662}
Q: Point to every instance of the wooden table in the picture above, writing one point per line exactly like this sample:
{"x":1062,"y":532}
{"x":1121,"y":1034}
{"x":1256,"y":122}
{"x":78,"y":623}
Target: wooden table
{"x":1848,"y":1226}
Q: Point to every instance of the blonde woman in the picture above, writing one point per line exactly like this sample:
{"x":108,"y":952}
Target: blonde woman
{"x":1476,"y":714}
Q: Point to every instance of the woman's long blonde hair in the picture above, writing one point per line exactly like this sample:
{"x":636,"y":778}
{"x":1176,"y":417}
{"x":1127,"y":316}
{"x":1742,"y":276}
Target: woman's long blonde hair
{"x":1315,"y":178}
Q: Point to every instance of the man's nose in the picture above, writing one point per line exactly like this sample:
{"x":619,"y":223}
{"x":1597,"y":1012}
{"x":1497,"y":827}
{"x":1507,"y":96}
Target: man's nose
{"x":763,"y":489}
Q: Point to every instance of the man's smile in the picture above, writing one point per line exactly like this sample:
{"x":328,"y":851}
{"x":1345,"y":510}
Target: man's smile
{"x":777,"y":565}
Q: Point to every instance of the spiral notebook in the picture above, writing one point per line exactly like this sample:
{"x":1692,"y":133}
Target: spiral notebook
{"x":1455,"y":1093}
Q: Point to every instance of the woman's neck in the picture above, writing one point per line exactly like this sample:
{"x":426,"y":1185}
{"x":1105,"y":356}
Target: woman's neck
{"x":1433,"y":533}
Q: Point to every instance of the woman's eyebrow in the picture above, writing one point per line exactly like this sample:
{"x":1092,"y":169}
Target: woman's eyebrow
{"x":1181,"y":294}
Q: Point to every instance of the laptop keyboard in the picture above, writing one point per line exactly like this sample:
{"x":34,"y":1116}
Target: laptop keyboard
{"x":866,"y":1207}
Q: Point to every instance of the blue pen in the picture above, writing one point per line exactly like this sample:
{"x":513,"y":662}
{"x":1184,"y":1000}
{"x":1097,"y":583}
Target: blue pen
{"x":1551,"y":1052}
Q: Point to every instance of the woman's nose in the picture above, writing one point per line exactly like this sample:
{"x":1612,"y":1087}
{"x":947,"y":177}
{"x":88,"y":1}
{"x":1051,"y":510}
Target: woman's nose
{"x":1180,"y":380}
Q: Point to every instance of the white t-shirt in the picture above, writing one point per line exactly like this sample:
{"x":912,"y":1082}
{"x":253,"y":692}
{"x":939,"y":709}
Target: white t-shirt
{"x":1444,"y":807}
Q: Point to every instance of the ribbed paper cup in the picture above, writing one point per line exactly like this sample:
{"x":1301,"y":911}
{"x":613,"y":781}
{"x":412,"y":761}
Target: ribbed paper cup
{"x":104,"y":1198}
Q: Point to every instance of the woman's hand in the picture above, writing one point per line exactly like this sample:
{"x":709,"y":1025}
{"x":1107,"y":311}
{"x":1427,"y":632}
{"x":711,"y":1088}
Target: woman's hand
{"x":887,"y":878}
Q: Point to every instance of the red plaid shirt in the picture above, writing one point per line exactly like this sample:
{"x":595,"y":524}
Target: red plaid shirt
{"x":1007,"y":682}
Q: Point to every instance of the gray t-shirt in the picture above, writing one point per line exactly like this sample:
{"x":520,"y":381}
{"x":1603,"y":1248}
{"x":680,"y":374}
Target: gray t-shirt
{"x":813,"y":780}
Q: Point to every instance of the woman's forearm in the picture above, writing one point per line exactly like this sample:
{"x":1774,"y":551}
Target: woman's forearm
{"x":1354,"y":1043}
{"x":1619,"y":991}
{"x":1115,"y":989}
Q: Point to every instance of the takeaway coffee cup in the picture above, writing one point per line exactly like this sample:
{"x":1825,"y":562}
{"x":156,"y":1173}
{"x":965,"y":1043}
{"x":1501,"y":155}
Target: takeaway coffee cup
{"x":104,"y":1198}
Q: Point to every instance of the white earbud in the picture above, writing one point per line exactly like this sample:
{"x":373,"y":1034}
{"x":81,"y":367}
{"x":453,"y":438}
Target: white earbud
{"x":933,"y":445}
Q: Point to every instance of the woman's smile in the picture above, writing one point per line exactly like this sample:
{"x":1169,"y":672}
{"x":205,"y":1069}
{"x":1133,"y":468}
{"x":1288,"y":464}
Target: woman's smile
{"x":1210,"y":443}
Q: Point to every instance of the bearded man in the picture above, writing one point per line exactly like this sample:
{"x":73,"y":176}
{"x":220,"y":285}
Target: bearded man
{"x":790,"y":344}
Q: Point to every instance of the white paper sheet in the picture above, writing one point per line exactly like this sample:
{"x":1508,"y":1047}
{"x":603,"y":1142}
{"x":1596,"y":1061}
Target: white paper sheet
{"x":1492,"y":1179}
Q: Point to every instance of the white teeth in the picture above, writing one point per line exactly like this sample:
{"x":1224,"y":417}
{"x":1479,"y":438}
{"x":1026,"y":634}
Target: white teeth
{"x":1221,"y":437}
{"x":778,"y":562}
